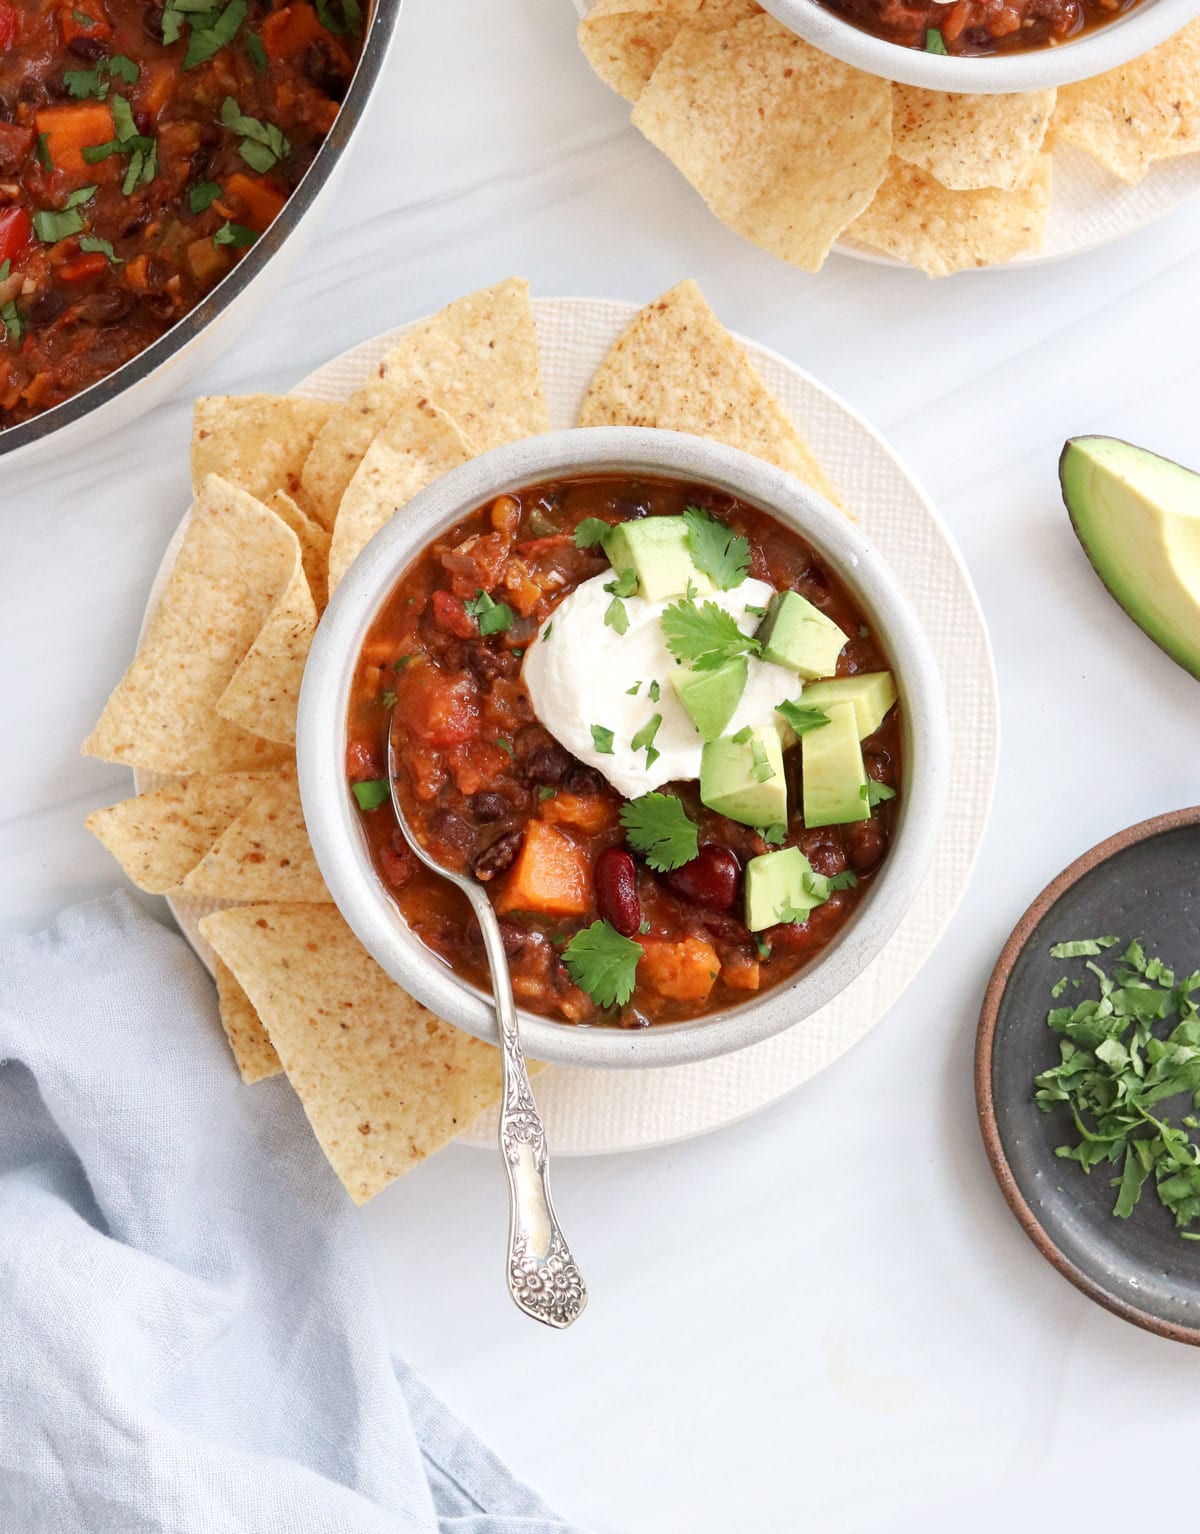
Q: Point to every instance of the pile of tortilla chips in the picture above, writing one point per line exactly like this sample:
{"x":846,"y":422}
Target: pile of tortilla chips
{"x":794,"y":150}
{"x":288,"y":490}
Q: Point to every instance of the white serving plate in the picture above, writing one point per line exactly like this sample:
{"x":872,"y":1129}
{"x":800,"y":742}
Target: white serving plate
{"x":591,"y":1111}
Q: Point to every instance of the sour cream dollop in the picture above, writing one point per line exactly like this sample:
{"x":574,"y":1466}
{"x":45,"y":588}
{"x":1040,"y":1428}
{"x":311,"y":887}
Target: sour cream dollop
{"x":579,"y":672}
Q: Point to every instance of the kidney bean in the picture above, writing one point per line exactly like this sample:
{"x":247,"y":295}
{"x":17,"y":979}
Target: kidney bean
{"x":488,"y":664}
{"x":824,"y":851}
{"x":87,"y":48}
{"x":709,"y":880}
{"x":517,"y":941}
{"x":866,"y":844}
{"x":615,"y":880}
{"x":547,"y":765}
{"x":499,"y":857}
{"x":488,"y":807}
{"x":880,"y":767}
{"x":397,"y":862}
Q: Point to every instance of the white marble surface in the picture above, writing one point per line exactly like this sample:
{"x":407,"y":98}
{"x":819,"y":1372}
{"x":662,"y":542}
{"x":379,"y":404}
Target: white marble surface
{"x":823,"y":1318}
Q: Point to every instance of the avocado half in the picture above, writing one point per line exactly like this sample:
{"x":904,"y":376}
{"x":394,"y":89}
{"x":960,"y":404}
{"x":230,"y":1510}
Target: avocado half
{"x":1138,"y":518}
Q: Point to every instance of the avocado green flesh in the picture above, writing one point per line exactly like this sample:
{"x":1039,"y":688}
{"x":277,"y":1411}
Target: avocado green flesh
{"x":834,"y":775}
{"x":658,"y":551}
{"x":1138,"y":517}
{"x":795,"y":634}
{"x":775,"y":882}
{"x":711,"y":697}
{"x":728,"y":784}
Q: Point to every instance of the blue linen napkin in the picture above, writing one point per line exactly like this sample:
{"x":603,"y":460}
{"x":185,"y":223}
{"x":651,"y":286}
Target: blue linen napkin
{"x":189,"y":1338}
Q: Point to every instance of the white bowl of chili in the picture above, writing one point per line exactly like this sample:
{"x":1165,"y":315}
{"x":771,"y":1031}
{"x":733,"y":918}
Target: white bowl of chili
{"x":346,"y":848}
{"x":1096,"y":38}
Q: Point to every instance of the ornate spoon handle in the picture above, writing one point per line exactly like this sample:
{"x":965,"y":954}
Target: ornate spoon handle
{"x":542,"y":1276}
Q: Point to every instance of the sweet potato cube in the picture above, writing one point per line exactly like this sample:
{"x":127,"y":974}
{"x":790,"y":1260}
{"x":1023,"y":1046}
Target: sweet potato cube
{"x":552,"y":875}
{"x":589,"y":813}
{"x":71,"y":128}
{"x":683,"y":971}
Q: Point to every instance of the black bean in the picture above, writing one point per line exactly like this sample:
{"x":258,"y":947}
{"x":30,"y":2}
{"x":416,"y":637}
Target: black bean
{"x":322,"y":67}
{"x":517,"y":941}
{"x":87,"y":48}
{"x":489,"y":807}
{"x":488,"y":664}
{"x":452,"y":829}
{"x":547,"y":765}
{"x":46,"y":307}
{"x":104,"y":308}
{"x":501,"y":855}
{"x":584,"y":780}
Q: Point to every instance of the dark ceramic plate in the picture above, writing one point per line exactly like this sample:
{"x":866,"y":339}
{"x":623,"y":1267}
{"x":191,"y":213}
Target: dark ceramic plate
{"x":1144,"y":882}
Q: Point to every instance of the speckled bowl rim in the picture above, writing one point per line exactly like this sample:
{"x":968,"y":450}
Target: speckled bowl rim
{"x":1092,"y":53}
{"x":331,"y":817}
{"x":985,"y":1041}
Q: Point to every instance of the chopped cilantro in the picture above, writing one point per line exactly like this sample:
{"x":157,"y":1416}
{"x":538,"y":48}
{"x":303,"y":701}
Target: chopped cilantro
{"x":632,"y":692}
{"x":492,"y":617}
{"x":263,"y":145}
{"x":84,"y":20}
{"x":547,"y":631}
{"x":14,"y":325}
{"x":876,"y":793}
{"x":616,"y":617}
{"x":90,"y":243}
{"x":203,"y":196}
{"x":724,"y":556}
{"x":546,"y":793}
{"x":764,"y":948}
{"x":802,"y":719}
{"x":43,"y":151}
{"x":1115,"y":1070}
{"x":506,"y":747}
{"x":350,"y":19}
{"x":644,"y":739}
{"x":371,"y":795}
{"x":742,"y":736}
{"x":761,"y":770}
{"x":625,"y":585}
{"x":51,"y":225}
{"x":258,"y":54}
{"x":706,"y":636}
{"x":234,"y":234}
{"x":603,"y":963}
{"x":6,"y":268}
{"x":400,"y":664}
{"x":590,"y":532}
{"x":602,"y":739}
{"x":654,"y":692}
{"x":755,"y":612}
{"x":658,"y":826}
{"x":934,"y":42}
{"x":775,"y":835}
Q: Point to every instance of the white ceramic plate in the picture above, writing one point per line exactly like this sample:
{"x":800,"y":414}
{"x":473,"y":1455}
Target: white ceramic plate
{"x":1089,"y":207}
{"x":592,"y":1111}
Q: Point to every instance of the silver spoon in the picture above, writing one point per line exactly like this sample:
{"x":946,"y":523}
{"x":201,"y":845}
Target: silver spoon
{"x":542,"y":1276}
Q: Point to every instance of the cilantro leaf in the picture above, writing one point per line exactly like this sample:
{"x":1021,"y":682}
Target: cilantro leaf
{"x":802,"y":719}
{"x":705,"y":636}
{"x":1082,"y":947}
{"x":492,"y":617}
{"x":625,"y":585}
{"x":43,"y":151}
{"x":602,"y":739}
{"x":234,"y":234}
{"x":654,"y":692}
{"x":371,"y":795}
{"x":761,"y":770}
{"x":876,"y":793}
{"x":14,"y":325}
{"x":603,"y":963}
{"x":91,"y":243}
{"x":203,"y":196}
{"x":934,"y":42}
{"x":722,"y":554}
{"x":616,"y":617}
{"x":263,"y":144}
{"x":208,"y":39}
{"x":258,"y":54}
{"x":590,"y":532}
{"x":658,"y":826}
{"x":644,"y":739}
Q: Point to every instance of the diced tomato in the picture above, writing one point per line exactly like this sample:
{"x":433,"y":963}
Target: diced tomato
{"x":9,"y":23}
{"x":256,"y":202}
{"x":16,"y":230}
{"x":452,"y":617}
{"x":81,"y":268}
{"x":363,"y":764}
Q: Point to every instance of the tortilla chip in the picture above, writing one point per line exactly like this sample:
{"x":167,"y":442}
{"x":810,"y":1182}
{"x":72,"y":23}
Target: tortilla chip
{"x":784,"y":143}
{"x":1129,"y":117}
{"x":970,"y":142}
{"x":623,"y":40}
{"x":256,"y":441}
{"x":158,"y":838}
{"x":265,"y":689}
{"x":252,"y":1049}
{"x":314,"y":544}
{"x":384,"y":1083}
{"x":918,"y":220}
{"x":236,"y":562}
{"x":477,"y":360}
{"x":263,"y":854}
{"x":417,"y":445}
{"x":676,"y":367}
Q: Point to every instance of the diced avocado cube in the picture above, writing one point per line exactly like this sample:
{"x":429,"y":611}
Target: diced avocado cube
{"x":834,"y":775}
{"x":871,"y":692}
{"x":711,"y":697}
{"x":778,"y":888}
{"x":656,"y":549}
{"x":795,"y":634}
{"x":742,"y":776}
